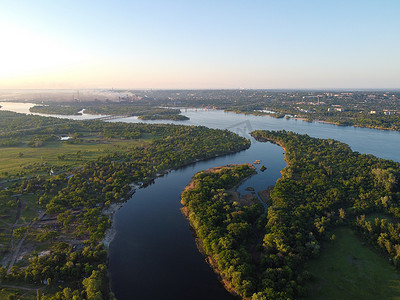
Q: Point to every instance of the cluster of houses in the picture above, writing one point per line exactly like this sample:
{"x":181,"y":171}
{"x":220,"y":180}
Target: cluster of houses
{"x":386,"y":112}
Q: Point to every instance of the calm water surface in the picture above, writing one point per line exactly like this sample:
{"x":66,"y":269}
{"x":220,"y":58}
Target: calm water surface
{"x":154,"y":256}
{"x":23,"y":108}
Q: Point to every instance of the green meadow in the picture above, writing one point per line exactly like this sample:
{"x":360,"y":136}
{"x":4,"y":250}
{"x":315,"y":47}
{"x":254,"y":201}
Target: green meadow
{"x":348,"y":269}
{"x":59,"y":155}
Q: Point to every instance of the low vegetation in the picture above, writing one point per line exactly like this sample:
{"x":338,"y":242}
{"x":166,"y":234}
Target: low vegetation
{"x":347,"y":269}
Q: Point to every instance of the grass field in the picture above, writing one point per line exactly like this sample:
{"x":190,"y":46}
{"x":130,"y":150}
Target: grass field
{"x":22,"y":161}
{"x":7,"y":293}
{"x":347,"y":269}
{"x":371,"y":217}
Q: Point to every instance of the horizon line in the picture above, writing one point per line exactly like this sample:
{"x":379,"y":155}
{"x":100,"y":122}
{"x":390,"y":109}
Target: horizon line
{"x":202,"y":89}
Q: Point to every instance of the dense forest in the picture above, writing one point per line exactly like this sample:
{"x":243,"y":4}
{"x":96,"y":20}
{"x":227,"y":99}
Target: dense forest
{"x":325,"y":185}
{"x":59,"y":218}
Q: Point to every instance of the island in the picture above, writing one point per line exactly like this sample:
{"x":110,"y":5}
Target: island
{"x":66,"y":109}
{"x":226,"y":226}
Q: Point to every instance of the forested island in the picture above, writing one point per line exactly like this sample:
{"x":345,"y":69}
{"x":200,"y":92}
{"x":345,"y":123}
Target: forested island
{"x":328,"y":197}
{"x":56,"y":195}
{"x":57,"y":109}
{"x":226,"y":225}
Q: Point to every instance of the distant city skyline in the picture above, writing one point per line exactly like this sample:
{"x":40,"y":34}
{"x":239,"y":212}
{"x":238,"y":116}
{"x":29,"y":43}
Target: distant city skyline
{"x":199,"y":44}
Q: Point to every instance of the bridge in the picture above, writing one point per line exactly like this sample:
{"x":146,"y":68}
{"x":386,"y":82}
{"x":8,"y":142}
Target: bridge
{"x":106,"y":118}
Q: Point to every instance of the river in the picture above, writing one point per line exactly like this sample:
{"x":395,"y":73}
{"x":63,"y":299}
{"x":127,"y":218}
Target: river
{"x":154,"y":255}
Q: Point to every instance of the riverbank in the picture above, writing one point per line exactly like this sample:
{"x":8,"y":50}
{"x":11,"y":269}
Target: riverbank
{"x":265,"y":195}
{"x":276,"y":142}
{"x":344,"y":125}
{"x":110,"y":232}
{"x":313,"y":120}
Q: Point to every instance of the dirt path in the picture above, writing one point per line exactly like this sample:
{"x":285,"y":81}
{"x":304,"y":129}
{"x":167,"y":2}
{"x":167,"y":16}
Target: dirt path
{"x":21,"y":287}
{"x":18,"y":214}
{"x":16,"y":252}
{"x":18,"y":248}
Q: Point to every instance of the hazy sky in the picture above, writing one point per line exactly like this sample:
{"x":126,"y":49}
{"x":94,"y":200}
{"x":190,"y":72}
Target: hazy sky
{"x":200,"y":44}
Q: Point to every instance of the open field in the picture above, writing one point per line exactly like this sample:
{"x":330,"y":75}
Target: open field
{"x":371,"y":217}
{"x":347,"y":269}
{"x":59,"y":155}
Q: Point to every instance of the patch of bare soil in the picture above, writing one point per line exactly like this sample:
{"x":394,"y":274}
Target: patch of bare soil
{"x":265,"y":195}
{"x":248,"y":200}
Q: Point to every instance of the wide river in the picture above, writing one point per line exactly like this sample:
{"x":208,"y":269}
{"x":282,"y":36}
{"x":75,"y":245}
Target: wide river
{"x":154,"y":255}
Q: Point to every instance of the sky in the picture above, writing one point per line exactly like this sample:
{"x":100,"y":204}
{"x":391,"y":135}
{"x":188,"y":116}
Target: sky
{"x":205,"y":44}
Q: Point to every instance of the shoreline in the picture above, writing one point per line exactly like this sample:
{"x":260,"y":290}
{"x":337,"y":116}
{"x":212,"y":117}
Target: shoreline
{"x":114,"y":207}
{"x":110,"y":232}
{"x":263,"y":139}
{"x":344,"y":125}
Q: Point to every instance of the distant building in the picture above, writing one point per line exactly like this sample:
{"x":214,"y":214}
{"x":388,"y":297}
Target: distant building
{"x":336,"y":109}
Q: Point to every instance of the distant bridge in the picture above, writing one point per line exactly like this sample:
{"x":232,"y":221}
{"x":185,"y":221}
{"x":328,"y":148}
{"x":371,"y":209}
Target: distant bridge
{"x":106,"y":118}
